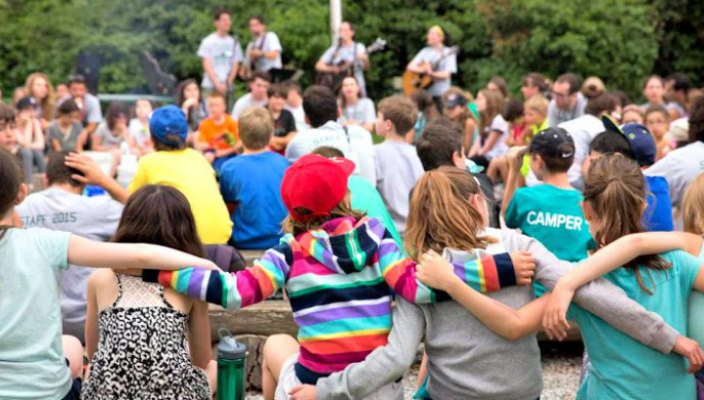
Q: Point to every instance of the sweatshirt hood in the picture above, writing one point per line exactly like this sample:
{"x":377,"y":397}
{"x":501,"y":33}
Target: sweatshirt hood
{"x":344,"y":245}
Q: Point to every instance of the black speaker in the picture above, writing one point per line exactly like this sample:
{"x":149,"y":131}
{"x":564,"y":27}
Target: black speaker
{"x":88,"y":65}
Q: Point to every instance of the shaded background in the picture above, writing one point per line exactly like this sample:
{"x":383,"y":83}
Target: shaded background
{"x":621,"y":41}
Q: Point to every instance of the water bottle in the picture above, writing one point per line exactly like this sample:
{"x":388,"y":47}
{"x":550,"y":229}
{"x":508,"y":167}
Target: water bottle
{"x":231,"y":361}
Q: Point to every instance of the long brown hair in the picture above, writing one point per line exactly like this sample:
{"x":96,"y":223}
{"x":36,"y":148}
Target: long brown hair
{"x":343,"y":209}
{"x":440,"y":214}
{"x":693,"y":206}
{"x":159,"y":214}
{"x":494,"y":106}
{"x":614,"y":188}
{"x":48,"y":103}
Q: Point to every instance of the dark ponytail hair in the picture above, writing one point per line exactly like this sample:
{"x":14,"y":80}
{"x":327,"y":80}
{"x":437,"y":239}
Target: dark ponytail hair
{"x":10,"y":181}
{"x":614,"y":188}
{"x":158,"y":214}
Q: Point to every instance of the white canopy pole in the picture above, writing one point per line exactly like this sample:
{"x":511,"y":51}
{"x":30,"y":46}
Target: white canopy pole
{"x":335,"y":19}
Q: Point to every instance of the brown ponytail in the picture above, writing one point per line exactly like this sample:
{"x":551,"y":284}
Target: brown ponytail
{"x":614,"y":188}
{"x":440,"y":213}
{"x":10,"y":181}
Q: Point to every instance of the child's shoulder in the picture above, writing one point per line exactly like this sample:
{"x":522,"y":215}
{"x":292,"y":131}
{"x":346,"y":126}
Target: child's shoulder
{"x":101,"y":278}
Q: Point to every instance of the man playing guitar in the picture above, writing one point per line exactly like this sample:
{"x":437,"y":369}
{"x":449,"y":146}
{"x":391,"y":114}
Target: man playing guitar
{"x":436,"y":61}
{"x":263,"y":51}
{"x":346,"y":54}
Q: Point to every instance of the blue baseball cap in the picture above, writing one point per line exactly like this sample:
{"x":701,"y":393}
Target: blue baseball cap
{"x":168,"y":125}
{"x":639,"y":139}
{"x":642,"y":143}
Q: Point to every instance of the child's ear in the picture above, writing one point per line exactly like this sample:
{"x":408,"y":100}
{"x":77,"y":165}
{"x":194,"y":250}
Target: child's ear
{"x":458,"y":160}
{"x":21,"y":194}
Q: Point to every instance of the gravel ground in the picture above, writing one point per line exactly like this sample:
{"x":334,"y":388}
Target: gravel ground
{"x":561,"y":366}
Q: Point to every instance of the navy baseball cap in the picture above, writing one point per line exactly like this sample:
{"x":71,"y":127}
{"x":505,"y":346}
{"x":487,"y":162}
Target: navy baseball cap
{"x":26,"y":103}
{"x":168,"y":125}
{"x":639,"y":139}
{"x":454,"y":100}
{"x":552,"y":142}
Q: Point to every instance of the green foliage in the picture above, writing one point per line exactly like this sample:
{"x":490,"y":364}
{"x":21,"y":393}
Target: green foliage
{"x":620,"y":40}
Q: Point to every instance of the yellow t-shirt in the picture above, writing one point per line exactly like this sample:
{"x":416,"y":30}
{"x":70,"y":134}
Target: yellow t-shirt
{"x":189,"y":172}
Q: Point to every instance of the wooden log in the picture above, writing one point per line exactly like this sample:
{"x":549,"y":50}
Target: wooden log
{"x":266,"y":318}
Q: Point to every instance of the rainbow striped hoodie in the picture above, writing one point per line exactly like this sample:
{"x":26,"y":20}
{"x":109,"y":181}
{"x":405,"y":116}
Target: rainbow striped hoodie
{"x":339,"y":280}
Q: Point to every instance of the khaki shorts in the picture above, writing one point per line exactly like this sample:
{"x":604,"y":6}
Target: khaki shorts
{"x":288,"y":380}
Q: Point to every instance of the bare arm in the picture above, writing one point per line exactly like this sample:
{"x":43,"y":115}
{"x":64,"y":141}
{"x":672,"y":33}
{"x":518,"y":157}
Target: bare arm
{"x":440,"y":75}
{"x":86,"y":252}
{"x":271,"y":55}
{"x":91,"y":330}
{"x":416,"y":67}
{"x":490,"y":142}
{"x":93,"y":175}
{"x":199,"y":334}
{"x":514,"y":158}
{"x":38,"y":137}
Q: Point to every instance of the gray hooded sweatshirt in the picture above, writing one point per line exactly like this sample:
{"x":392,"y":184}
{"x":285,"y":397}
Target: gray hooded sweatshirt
{"x":469,"y":361}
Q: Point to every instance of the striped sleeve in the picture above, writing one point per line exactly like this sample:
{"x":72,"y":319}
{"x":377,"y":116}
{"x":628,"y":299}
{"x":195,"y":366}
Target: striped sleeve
{"x":229,"y":290}
{"x":489,"y":273}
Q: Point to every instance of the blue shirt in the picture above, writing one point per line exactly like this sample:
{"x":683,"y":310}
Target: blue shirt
{"x":621,"y":367}
{"x":658,"y":215}
{"x":253,"y":182}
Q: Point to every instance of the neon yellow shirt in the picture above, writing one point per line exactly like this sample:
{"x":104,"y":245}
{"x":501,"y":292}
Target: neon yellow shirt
{"x":525,"y":167}
{"x":189,"y":172}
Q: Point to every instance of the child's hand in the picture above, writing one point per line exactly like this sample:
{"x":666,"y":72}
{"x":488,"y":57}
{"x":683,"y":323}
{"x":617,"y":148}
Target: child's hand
{"x":515,"y":157}
{"x":92,"y":174}
{"x":435,"y":271}
{"x":554,"y":318}
{"x":690,"y":350}
{"x":303,"y":392}
{"x":523,"y":267}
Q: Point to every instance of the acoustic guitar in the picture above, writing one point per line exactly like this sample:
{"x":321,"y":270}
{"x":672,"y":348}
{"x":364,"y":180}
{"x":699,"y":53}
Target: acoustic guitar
{"x":413,"y":81}
{"x":333,"y":80}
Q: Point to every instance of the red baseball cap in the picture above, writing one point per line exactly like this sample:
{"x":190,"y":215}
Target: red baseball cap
{"x":315,"y":183}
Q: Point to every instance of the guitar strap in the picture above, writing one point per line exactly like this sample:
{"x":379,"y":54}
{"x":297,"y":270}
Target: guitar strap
{"x":331,"y":61}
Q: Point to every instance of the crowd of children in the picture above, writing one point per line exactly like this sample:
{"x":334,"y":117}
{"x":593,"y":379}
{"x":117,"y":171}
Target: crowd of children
{"x":486,"y":219}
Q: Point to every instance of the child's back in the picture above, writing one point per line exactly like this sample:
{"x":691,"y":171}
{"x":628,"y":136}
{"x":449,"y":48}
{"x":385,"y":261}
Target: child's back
{"x":253,"y":182}
{"x":553,"y":216}
{"x":32,"y":364}
{"x":398,"y":168}
{"x":143,"y":342}
{"x":189,"y":172}
{"x":624,"y":368}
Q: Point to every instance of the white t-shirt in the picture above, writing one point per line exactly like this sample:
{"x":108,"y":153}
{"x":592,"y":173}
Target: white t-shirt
{"x":348,"y":54}
{"x":498,"y":124}
{"x":356,"y":143}
{"x":224,"y":51}
{"x":557,"y":115}
{"x":362,"y":111}
{"x":245,"y":102}
{"x":583,"y":130}
{"x":95,"y":218}
{"x":299,"y":116}
{"x":680,"y":167}
{"x":448,"y":64}
{"x":267,"y":43}
{"x":138,"y":131}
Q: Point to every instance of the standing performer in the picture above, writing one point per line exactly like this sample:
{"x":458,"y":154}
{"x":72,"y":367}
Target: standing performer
{"x":437,"y":62}
{"x":345,"y":55}
{"x":221,"y":55}
{"x":263,"y":52}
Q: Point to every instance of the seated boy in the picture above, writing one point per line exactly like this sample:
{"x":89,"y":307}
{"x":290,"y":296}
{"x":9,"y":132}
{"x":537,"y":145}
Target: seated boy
{"x":397,"y":164}
{"x":551,"y":212}
{"x":636,"y":142}
{"x":63,"y":133}
{"x":284,"y":122}
{"x":185,"y":169}
{"x":251,"y":182}
{"x":218,"y":138}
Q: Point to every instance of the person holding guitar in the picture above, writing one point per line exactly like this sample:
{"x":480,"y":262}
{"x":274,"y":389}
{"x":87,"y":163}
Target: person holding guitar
{"x":437,"y":62}
{"x":263,"y":52}
{"x":221,"y":54}
{"x":339,"y":58}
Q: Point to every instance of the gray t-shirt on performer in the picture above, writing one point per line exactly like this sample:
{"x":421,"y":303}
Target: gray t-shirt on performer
{"x":447,"y":64}
{"x":267,"y":43}
{"x":335,"y":55}
{"x":94,"y":218}
{"x":397,"y":170}
{"x":224,"y":51}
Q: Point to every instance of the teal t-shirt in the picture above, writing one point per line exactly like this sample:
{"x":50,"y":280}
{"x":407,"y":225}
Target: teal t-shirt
{"x":621,"y":367}
{"x":365,"y":197}
{"x":695,"y":329}
{"x":554,"y":217}
{"x":32,"y":364}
